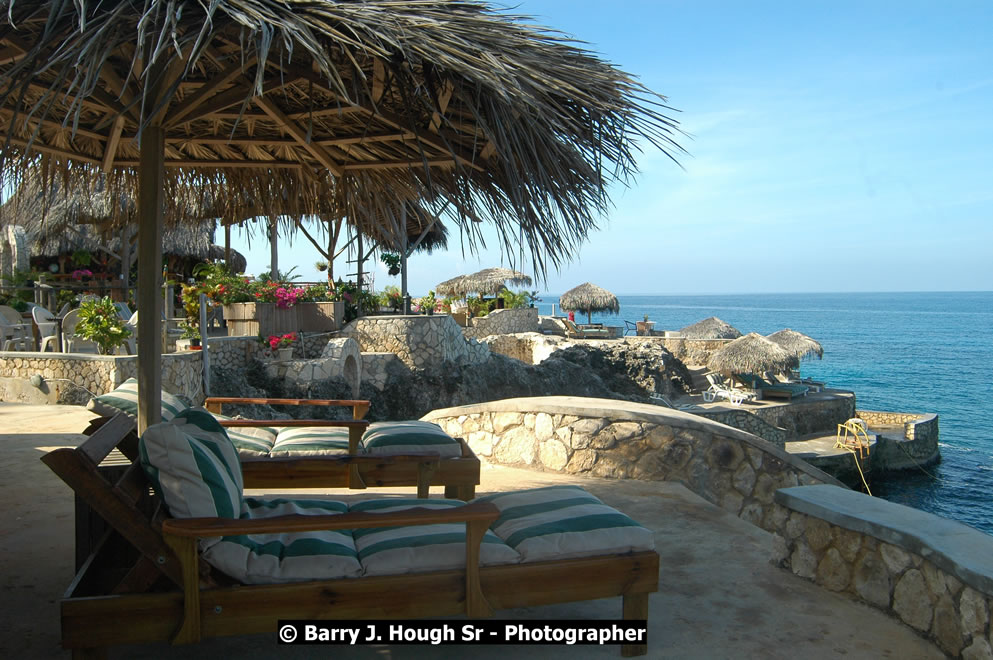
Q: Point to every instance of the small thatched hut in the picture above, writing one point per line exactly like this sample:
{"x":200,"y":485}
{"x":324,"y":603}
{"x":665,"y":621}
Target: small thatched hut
{"x":712,"y":328}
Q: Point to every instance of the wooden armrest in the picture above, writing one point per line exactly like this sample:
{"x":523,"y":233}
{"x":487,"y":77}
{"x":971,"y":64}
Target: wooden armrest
{"x":203,"y":527}
{"x":345,"y":423}
{"x":359,"y":406}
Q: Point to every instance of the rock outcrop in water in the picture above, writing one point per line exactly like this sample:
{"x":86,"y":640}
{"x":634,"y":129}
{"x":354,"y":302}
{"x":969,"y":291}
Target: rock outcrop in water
{"x":612,"y":370}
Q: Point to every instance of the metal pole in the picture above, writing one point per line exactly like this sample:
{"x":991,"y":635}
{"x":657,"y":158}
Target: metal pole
{"x":203,"y":344}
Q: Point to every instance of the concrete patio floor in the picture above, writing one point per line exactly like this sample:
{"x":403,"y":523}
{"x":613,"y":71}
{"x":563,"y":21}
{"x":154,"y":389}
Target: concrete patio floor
{"x":719,"y":597}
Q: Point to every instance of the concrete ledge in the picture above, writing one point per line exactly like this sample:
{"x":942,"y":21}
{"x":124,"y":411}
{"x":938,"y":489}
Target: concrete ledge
{"x":956,"y":548}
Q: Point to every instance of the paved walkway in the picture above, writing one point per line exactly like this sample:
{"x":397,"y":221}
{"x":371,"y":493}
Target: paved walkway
{"x":719,"y":597}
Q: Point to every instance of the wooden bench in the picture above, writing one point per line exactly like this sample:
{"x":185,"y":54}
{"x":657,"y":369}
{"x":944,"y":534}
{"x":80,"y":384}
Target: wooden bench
{"x":143,"y":581}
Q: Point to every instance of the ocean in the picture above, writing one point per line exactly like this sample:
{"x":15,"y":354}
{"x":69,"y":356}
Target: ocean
{"x":905,"y":352}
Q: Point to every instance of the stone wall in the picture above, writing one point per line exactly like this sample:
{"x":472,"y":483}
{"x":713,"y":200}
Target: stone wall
{"x":375,"y":368}
{"x":810,"y":414}
{"x":690,"y":351}
{"x":617,"y":439}
{"x":935,"y":574}
{"x":503,"y":322}
{"x":745,"y":421}
{"x":340,"y":358}
{"x":881,"y":418}
{"x":417,"y":340}
{"x":918,"y":446}
{"x":74,"y":378}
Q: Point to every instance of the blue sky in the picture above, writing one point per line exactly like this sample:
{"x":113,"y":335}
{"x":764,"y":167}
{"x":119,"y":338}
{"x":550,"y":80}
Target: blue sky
{"x":832,"y":147}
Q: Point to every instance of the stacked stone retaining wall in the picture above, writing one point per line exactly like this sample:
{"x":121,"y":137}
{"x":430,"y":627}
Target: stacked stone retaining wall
{"x":417,"y":340}
{"x":745,"y":421}
{"x":935,"y":574}
{"x":503,"y":322}
{"x":606,"y":438}
{"x":810,"y":414}
{"x":74,"y":377}
{"x":918,"y":448}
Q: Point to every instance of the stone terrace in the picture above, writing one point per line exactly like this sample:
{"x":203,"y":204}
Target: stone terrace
{"x":719,"y":595}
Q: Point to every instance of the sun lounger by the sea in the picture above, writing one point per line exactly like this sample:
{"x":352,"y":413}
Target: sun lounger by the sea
{"x":771,"y":390}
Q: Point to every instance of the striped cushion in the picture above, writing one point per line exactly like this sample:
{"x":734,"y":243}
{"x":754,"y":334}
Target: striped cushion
{"x":310,"y":441}
{"x":194,"y":467}
{"x":125,"y":399}
{"x":250,"y":441}
{"x":560,"y":522}
{"x":272,"y":558}
{"x":390,"y":438}
{"x":415,"y":549}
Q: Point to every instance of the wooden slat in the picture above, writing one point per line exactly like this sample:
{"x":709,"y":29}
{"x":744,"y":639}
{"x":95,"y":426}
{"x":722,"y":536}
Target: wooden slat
{"x":207,"y":90}
{"x":635,"y":608}
{"x":207,"y":527}
{"x":398,"y":164}
{"x":98,"y":445}
{"x":110,"y":151}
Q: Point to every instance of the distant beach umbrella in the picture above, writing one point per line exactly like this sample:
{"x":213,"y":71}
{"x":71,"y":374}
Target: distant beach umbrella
{"x":589,"y":298}
{"x":490,"y":281}
{"x":752,"y":353}
{"x":712,"y":328}
{"x":797,"y":343}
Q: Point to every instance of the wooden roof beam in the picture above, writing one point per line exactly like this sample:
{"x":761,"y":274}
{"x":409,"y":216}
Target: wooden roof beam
{"x":298,"y":134}
{"x":110,"y":151}
{"x":231,"y":97}
{"x":398,"y":164}
{"x":197,"y":98}
{"x":38,"y":145}
{"x":397,"y":122}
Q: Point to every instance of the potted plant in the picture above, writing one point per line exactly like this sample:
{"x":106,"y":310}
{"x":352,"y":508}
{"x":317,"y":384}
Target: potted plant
{"x":645,"y":326}
{"x":100,"y":323}
{"x":282,"y":345}
{"x":428,"y":303}
{"x":191,"y":333}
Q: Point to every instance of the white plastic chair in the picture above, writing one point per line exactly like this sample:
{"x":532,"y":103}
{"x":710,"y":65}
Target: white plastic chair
{"x":47,"y":327}
{"x":14,"y":331}
{"x":70,"y":341}
{"x":718,"y":390}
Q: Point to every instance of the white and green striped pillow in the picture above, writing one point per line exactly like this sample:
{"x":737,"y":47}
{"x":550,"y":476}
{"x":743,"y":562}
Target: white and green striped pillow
{"x":411,"y":437}
{"x":562,"y":522}
{"x":125,"y":399}
{"x":273,"y":558}
{"x":420,"y":548}
{"x":310,"y":441}
{"x":250,"y":441}
{"x":194,"y":467}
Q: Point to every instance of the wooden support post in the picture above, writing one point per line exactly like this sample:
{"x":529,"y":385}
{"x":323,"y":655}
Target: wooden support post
{"x":476,"y":605}
{"x":635,"y":609}
{"x":273,"y":250}
{"x":186,"y":552}
{"x":150,"y":199}
{"x":227,"y":246}
{"x":359,"y":261}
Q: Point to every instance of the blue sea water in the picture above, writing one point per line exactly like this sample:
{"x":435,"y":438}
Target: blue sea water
{"x":906,"y":352}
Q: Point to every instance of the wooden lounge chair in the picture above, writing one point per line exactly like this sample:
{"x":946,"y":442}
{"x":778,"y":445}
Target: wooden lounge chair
{"x":771,"y":390}
{"x":144,"y":579}
{"x":574,"y":331}
{"x":323,"y":453}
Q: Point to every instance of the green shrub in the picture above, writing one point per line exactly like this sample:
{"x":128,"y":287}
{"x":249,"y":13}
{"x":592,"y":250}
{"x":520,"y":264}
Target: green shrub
{"x":100,"y":323}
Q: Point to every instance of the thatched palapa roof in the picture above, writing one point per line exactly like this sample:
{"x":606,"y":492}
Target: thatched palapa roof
{"x":711,"y":328}
{"x":59,"y":222}
{"x":752,"y":353}
{"x":370,"y":104}
{"x":797,"y":343}
{"x":589,"y":298}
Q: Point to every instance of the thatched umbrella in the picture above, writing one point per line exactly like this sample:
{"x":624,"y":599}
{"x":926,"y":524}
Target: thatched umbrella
{"x":455,"y":287}
{"x":589,"y":298}
{"x":712,"y":328}
{"x":376,"y":104}
{"x":491,"y":281}
{"x":752,"y":353}
{"x":797,"y":343}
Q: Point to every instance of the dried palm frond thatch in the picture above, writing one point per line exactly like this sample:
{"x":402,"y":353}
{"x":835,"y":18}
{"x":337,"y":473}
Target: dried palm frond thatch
{"x":589,"y":298}
{"x":752,"y":353}
{"x":797,"y":343}
{"x":491,"y":281}
{"x":710,"y":328}
{"x":455,"y":287}
{"x":371,"y":104}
